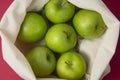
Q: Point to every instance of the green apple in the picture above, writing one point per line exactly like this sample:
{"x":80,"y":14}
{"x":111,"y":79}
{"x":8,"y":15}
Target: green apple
{"x":58,"y":11}
{"x":89,"y":24}
{"x":42,"y":61}
{"x":61,"y":38}
{"x":33,"y":28}
{"x":71,"y":66}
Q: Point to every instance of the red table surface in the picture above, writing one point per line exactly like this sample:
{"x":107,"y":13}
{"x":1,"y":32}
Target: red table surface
{"x":6,"y":73}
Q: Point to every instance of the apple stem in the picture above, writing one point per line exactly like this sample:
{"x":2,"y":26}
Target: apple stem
{"x":63,"y":3}
{"x":96,"y":26}
{"x":68,"y":34}
{"x":68,"y":63}
{"x":48,"y":57}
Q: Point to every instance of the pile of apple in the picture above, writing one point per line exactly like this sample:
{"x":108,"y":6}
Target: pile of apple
{"x":66,"y":22}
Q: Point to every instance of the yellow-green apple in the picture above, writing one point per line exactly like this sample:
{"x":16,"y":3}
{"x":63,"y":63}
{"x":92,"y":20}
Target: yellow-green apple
{"x":33,"y":28}
{"x":42,"y":61}
{"x":89,"y":24}
{"x":71,"y":66}
{"x":58,"y":11}
{"x":61,"y":38}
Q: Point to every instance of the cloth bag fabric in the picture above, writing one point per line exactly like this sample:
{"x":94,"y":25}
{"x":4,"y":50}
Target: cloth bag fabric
{"x":97,"y":52}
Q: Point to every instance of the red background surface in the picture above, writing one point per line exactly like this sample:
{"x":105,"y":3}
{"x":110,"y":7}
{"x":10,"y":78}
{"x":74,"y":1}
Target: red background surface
{"x":6,"y":73}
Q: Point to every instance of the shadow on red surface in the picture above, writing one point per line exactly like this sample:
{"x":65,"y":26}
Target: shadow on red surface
{"x":114,"y":6}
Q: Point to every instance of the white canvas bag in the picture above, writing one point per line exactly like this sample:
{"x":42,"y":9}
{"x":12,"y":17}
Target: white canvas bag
{"x":97,"y":52}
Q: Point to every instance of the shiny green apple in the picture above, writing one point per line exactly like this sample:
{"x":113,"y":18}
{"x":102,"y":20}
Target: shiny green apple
{"x":89,"y":24}
{"x":71,"y":66}
{"x":58,"y":11}
{"x":33,"y":28}
{"x":42,"y":61}
{"x":61,"y":38}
